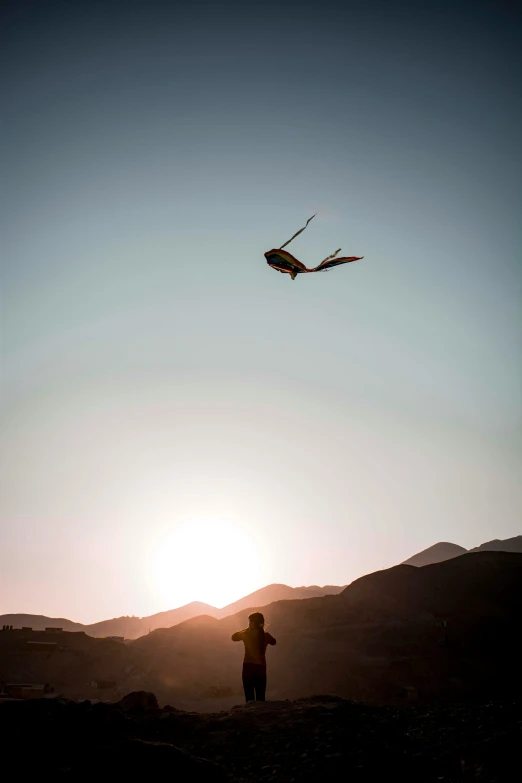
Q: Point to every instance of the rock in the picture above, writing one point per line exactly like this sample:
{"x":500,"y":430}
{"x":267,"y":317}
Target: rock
{"x":361,"y":743}
{"x":141,"y":701}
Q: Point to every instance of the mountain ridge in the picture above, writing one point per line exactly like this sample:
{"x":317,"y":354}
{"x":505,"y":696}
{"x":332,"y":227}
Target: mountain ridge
{"x":437,"y":553}
{"x":445,"y":550}
{"x":432,"y":634}
{"x":132,"y":627}
{"x":441,"y":632}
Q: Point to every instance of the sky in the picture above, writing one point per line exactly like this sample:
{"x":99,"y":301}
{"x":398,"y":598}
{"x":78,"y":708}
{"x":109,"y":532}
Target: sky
{"x":181,"y":422}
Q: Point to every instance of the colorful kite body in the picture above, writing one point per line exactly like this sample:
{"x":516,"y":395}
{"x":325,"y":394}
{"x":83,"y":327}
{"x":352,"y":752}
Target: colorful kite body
{"x":285,"y":262}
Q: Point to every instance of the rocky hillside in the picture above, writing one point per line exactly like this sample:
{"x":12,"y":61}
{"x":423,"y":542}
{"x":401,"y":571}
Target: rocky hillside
{"x":441,"y":633}
{"x":445,"y":631}
{"x":305,"y":740}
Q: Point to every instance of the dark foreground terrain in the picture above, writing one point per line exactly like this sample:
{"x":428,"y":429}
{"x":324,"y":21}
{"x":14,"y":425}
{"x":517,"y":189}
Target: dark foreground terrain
{"x":313,"y":739}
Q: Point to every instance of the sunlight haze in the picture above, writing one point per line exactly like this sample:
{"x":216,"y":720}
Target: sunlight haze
{"x":180,"y":422}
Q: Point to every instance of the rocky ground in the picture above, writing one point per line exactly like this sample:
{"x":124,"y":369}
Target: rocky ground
{"x":304,"y":740}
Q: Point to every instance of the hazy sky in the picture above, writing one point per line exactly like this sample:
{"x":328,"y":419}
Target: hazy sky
{"x":179,"y":421}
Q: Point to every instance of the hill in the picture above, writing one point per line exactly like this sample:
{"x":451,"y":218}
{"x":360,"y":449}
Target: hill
{"x":439,"y":632}
{"x":134,"y":627}
{"x":40,"y":622}
{"x":444,"y":550}
{"x":507,"y":545}
{"x":443,"y":632}
{"x":277,"y":592}
{"x":128,"y":627}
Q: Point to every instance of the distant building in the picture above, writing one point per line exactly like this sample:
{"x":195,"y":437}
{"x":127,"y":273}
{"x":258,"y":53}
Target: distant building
{"x":26,"y":690}
{"x":116,"y":638}
{"x":26,"y":628}
{"x":42,"y":646}
{"x":54,"y":630}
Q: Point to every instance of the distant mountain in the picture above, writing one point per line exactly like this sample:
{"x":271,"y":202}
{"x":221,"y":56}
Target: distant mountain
{"x":439,"y":633}
{"x":436,"y":633}
{"x":437,"y":553}
{"x":507,"y":545}
{"x":128,"y":627}
{"x":444,"y":550}
{"x":276,"y":592}
{"x":134,"y":627}
{"x":39,"y":621}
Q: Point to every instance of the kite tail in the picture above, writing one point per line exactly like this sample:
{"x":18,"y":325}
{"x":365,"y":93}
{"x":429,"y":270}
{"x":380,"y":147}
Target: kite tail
{"x":328,"y":258}
{"x":297,"y":234}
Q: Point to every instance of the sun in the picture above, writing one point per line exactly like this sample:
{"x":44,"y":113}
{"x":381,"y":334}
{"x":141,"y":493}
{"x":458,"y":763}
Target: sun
{"x":208,"y":560}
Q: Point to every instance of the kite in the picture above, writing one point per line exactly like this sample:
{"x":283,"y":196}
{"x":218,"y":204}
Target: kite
{"x":285,"y":262}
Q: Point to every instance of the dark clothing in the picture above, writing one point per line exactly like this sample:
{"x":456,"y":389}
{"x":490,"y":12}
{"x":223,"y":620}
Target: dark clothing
{"x":254,"y":661}
{"x":255,"y":644}
{"x":254,"y":681}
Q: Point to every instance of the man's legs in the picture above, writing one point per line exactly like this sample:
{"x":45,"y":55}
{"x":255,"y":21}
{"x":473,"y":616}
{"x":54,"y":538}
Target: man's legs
{"x":260,"y":686}
{"x":248,"y":686}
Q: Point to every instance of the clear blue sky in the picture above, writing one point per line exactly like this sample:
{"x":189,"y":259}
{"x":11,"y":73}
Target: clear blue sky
{"x":179,"y":421}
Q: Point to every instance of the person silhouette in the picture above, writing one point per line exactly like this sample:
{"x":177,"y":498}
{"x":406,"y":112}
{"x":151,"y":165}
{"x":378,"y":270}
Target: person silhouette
{"x":255,"y":639}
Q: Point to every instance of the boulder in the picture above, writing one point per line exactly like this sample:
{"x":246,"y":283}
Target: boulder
{"x":139,"y":701}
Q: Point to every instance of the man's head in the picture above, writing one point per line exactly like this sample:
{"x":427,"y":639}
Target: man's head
{"x":256,"y":620}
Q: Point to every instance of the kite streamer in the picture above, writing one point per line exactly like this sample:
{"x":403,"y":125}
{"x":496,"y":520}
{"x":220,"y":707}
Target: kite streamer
{"x":285,"y":262}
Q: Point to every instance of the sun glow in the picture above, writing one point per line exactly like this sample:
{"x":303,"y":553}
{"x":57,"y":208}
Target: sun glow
{"x":207,"y":560}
